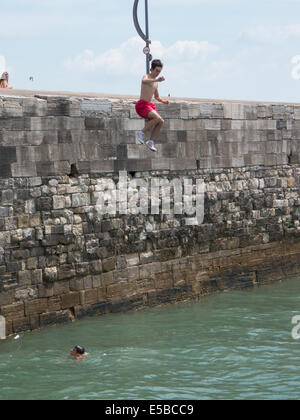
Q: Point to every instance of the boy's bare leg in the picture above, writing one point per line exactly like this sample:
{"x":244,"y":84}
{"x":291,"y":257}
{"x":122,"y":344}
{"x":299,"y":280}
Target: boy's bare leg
{"x":149,"y":126}
{"x":155,"y":123}
{"x":156,"y":130}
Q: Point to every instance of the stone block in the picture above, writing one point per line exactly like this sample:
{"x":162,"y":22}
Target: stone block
{"x":70,"y":300}
{"x":79,"y":200}
{"x":163,"y":281}
{"x":66,"y":272}
{"x":5,"y":239}
{"x":70,"y":123}
{"x":237,"y":162}
{"x":95,"y":267}
{"x":44,"y":204}
{"x":50,"y":274}
{"x":25,"y":154}
{"x":35,"y":220}
{"x":52,"y":318}
{"x":107,"y":278}
{"x":264,"y":111}
{"x":160,"y":164}
{"x":146,"y":257}
{"x":269,"y":274}
{"x":102,"y":295}
{"x":99,"y":308}
{"x":37,"y":124}
{"x":148,"y":270}
{"x":132,"y":260}
{"x":45,"y":291}
{"x":11,"y":124}
{"x":21,"y":324}
{"x":212,"y":124}
{"x":117,"y":291}
{"x":4,"y":212}
{"x":14,"y":311}
{"x":24,"y":170}
{"x":54,"y":303}
{"x":62,"y":167}
{"x":34,"y":107}
{"x":90,"y":296}
{"x":34,"y":138}
{"x":173,"y":111}
{"x":206,"y":110}
{"x":59,"y":202}
{"x":67,"y":152}
{"x":34,"y":321}
{"x":87,"y":282}
{"x":37,"y":306}
{"x":101,"y":166}
{"x":109,"y":264}
{"x":133,"y":165}
{"x":120,"y":275}
{"x":7,"y":297}
{"x":281,"y":203}
{"x":133,"y":274}
{"x":129,"y":151}
{"x":5,"y":171}
{"x":182,"y":164}
{"x":95,"y":107}
{"x":12,"y":107}
{"x":297,"y":112}
{"x":270,"y":160}
{"x":76,"y":284}
{"x":26,"y":293}
{"x":97,"y":125}
{"x":63,"y":107}
{"x":7,"y":197}
{"x":7,"y":155}
{"x":169,"y":151}
{"x":133,"y":124}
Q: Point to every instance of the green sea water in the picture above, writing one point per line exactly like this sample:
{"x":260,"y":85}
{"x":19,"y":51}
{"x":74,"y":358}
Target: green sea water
{"x":235,"y":345}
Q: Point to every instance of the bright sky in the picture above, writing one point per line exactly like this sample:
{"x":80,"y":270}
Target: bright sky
{"x":221,"y":49}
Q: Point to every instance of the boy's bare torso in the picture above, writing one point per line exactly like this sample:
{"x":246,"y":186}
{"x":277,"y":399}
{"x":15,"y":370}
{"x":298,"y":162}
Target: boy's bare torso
{"x":148,"y":89}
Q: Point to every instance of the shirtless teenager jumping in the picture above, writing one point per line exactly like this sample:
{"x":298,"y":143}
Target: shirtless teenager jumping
{"x":146,"y":109}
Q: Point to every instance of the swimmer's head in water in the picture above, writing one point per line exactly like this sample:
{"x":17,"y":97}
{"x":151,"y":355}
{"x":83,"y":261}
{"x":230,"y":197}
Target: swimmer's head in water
{"x":77,"y":350}
{"x":80,"y":350}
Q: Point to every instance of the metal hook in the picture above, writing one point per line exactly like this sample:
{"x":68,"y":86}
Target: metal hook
{"x":145,"y":36}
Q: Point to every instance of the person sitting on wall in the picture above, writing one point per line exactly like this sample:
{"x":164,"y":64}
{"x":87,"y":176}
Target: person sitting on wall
{"x":4,"y":81}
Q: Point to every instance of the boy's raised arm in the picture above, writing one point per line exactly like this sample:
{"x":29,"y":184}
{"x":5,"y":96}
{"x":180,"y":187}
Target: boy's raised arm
{"x":159,"y":99}
{"x":149,"y":81}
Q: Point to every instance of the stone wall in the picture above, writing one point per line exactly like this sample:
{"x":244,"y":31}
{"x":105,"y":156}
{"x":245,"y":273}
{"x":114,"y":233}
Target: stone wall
{"x":60,"y":259}
{"x":43,"y":136}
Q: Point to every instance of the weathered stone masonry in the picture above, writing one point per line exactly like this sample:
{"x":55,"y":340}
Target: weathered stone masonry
{"x":60,"y":260}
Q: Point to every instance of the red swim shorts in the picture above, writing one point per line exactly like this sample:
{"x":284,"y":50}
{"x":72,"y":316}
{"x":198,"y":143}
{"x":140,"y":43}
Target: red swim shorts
{"x":143,"y":108}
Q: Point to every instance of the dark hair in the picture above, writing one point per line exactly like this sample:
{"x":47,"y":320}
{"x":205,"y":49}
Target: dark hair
{"x":3,"y":77}
{"x":156,"y":63}
{"x":80,"y":350}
